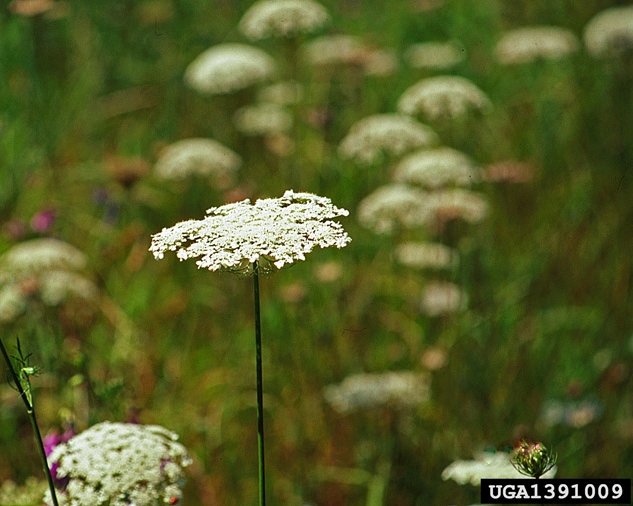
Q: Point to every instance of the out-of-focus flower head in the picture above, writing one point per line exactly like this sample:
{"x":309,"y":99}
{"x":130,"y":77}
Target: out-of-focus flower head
{"x":523,"y":45}
{"x":282,"y":18}
{"x":347,"y":50}
{"x":273,"y":232}
{"x":371,"y":137}
{"x":196,"y":157}
{"x":441,"y":298}
{"x":229,"y":67}
{"x":42,"y":221}
{"x":445,"y":205}
{"x":399,"y":389}
{"x":443,"y":96}
{"x":281,"y":93}
{"x":423,"y":255}
{"x":262,"y":119}
{"x":121,"y":464}
{"x":435,"y":168}
{"x":610,"y":32}
{"x":47,"y":268}
{"x":435,"y":55}
{"x":391,"y":207}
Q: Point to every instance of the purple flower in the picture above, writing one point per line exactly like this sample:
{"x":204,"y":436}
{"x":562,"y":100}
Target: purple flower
{"x":43,"y":221}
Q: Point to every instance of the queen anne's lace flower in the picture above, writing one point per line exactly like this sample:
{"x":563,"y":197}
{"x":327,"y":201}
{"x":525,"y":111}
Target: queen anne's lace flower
{"x":530,"y":43}
{"x":394,"y":134}
{"x":434,"y":55}
{"x":32,"y":257}
{"x":392,"y":206}
{"x":443,"y":96}
{"x":456,"y":203}
{"x":420,"y":255}
{"x":118,"y":464}
{"x":496,"y":465}
{"x":610,"y":31}
{"x":200,"y":157}
{"x":440,"y":297}
{"x":262,"y":119}
{"x":234,"y":236}
{"x":400,"y":389}
{"x":282,"y":18}
{"x":230,"y":67}
{"x":435,"y":168}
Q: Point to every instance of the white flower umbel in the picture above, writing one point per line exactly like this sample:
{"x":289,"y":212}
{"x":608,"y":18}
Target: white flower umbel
{"x":394,"y":134}
{"x":610,"y":32}
{"x":496,"y":465}
{"x":441,"y":298}
{"x":282,"y":18}
{"x":434,"y":55}
{"x":435,"y":168}
{"x":399,"y":389}
{"x":421,"y":255}
{"x":393,"y":206}
{"x":196,"y":157}
{"x":230,"y":67}
{"x":278,"y":231}
{"x":443,"y":96}
{"x":118,"y":464}
{"x":262,"y":119}
{"x":530,"y":43}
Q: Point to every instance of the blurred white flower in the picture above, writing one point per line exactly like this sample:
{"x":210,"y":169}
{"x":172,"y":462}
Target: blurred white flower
{"x":119,"y":464}
{"x":487,"y":465}
{"x":434,"y":55}
{"x":399,"y":389}
{"x":394,"y":134}
{"x":393,"y":206}
{"x":278,"y":231}
{"x":456,"y":203}
{"x":262,"y":119}
{"x":281,"y":93}
{"x":443,"y":96}
{"x":13,"y":302}
{"x":32,"y":257}
{"x":530,"y":43}
{"x":196,"y":157}
{"x":435,"y":168}
{"x":441,"y":297}
{"x":282,"y":18}
{"x":420,"y":255}
{"x":610,"y":32}
{"x":333,"y":49}
{"x":56,"y":286}
{"x":229,"y":67}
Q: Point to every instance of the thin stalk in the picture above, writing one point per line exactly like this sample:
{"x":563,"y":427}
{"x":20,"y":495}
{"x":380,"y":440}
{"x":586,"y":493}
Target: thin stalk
{"x":260,"y":389}
{"x":31,"y":412}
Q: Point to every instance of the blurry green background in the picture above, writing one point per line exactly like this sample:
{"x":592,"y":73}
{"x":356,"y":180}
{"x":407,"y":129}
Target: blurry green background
{"x":90,"y":91}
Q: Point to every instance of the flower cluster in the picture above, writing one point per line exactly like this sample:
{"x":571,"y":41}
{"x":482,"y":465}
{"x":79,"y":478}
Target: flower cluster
{"x":610,"y":32}
{"x":46,"y":268}
{"x":530,"y":43}
{"x":262,"y":119}
{"x":118,"y":464}
{"x":435,"y":168}
{"x":441,"y":297}
{"x":197,"y":156}
{"x":533,"y":459}
{"x":443,"y":96}
{"x":486,"y":465}
{"x":420,"y":255}
{"x":392,"y":206}
{"x":279,"y":231}
{"x":394,"y":134}
{"x":434,"y":55}
{"x":282,"y":18}
{"x":400,"y":389}
{"x":229,"y":67}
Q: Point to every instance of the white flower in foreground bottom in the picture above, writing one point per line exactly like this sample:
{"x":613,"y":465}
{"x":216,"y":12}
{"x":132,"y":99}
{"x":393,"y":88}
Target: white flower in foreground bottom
{"x":279,"y":231}
{"x":120,"y":464}
{"x":486,"y":465}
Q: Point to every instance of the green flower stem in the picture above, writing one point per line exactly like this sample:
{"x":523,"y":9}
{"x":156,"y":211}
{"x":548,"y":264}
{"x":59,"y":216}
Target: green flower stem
{"x":31,"y":412}
{"x":260,"y":389}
